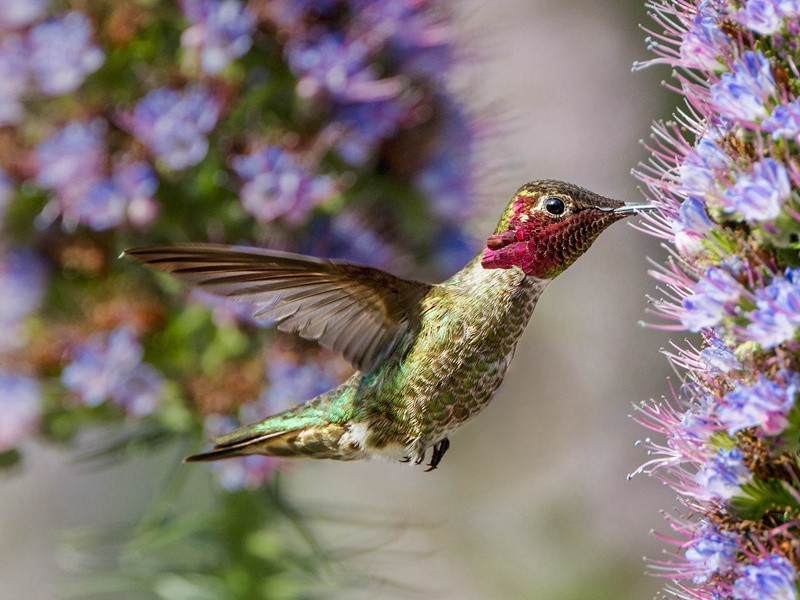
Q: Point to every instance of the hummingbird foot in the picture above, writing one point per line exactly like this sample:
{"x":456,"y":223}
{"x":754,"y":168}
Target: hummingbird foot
{"x":439,"y":448}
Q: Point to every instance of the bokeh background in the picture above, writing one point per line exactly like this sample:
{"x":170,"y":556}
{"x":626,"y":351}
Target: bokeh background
{"x":532,"y":500}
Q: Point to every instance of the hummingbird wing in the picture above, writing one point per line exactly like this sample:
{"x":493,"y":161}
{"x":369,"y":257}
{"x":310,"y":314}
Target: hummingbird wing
{"x":359,"y":311}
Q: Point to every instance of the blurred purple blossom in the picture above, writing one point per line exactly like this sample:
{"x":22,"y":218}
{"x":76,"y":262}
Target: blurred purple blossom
{"x":711,"y":552}
{"x":7,"y":192}
{"x":767,"y":16}
{"x":348,"y":237}
{"x":330,"y":64}
{"x":769,"y":578}
{"x":71,"y":159}
{"x":759,"y":196}
{"x":764,"y":404}
{"x":14,"y":75}
{"x":784,"y":122}
{"x":126,"y":196}
{"x":22,"y":281}
{"x":109,"y":366}
{"x":175,"y":124}
{"x":277,"y":184}
{"x":721,"y":476}
{"x":777,"y":315}
{"x":19,"y":13}
{"x":743,"y":94}
{"x":21,"y":407}
{"x":711,"y":298}
{"x":61,"y":53}
{"x":446,"y":179}
{"x":221,"y":30}
{"x":362,"y":126}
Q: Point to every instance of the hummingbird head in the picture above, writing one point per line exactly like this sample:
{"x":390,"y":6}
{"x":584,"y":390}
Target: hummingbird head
{"x":548,"y":225}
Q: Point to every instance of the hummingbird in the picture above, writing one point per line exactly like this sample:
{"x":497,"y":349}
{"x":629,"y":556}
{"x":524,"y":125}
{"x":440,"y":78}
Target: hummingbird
{"x":428,"y":357}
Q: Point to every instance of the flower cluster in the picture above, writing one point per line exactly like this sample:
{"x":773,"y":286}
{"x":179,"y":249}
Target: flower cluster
{"x":725,"y":176}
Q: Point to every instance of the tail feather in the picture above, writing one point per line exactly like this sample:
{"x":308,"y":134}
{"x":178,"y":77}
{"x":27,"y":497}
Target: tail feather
{"x":331,"y":440}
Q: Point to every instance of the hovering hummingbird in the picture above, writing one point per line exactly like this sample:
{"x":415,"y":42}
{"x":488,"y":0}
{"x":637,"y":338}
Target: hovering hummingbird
{"x":428,"y":357}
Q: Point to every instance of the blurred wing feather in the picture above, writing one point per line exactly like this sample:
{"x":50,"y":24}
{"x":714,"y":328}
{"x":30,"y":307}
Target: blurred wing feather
{"x":359,"y":311}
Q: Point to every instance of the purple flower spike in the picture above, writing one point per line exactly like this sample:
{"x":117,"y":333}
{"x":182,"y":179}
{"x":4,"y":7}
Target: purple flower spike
{"x":21,"y":408}
{"x":711,"y":552}
{"x":277,"y":184}
{"x":62,"y":53}
{"x":221,"y":30}
{"x":770,"y":578}
{"x":174,"y":124}
{"x":744,"y":93}
{"x":765,"y":404}
{"x":710,"y":300}
{"x":720,"y":477}
{"x":718,"y":358}
{"x":703,"y":44}
{"x":111,"y":367}
{"x":759,"y":196}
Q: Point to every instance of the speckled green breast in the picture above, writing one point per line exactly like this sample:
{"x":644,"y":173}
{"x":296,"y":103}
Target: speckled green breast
{"x":470,"y":328}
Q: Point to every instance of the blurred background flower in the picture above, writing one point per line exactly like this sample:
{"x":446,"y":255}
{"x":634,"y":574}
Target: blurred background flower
{"x":337,"y":129}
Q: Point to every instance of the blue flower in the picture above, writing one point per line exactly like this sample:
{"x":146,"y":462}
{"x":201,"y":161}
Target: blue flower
{"x":784,"y":122}
{"x":777,"y":314}
{"x":720,"y":477}
{"x":698,"y":170}
{"x":174,"y":124}
{"x":711,"y":552}
{"x":110,"y":367}
{"x":22,"y":281}
{"x":712,"y":297}
{"x":703,"y":44}
{"x":14,"y":75}
{"x":19,"y":13}
{"x":770,"y":578}
{"x":759,"y":196}
{"x":743,"y":94}
{"x":764,"y":404}
{"x":62,"y":53}
{"x":447,"y":179}
{"x":127,"y":195}
{"x":690,"y":227}
{"x":718,"y":358}
{"x":767,"y":16}
{"x":277,"y":184}
{"x":363,"y":126}
{"x":221,"y":29}
{"x":337,"y":66}
{"x":20,"y":408}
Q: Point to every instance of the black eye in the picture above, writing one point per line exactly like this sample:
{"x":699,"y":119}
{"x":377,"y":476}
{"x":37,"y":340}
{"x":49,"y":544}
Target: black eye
{"x":555,"y":206}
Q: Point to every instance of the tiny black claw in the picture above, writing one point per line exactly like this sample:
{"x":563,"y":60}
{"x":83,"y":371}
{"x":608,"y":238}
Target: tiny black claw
{"x":405,"y":459}
{"x":420,"y":458}
{"x":439,"y":448}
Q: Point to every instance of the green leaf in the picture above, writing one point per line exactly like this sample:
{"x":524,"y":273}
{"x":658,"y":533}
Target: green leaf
{"x":760,"y":498}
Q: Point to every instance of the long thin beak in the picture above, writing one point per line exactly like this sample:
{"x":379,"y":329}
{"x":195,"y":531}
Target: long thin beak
{"x":635,"y":208}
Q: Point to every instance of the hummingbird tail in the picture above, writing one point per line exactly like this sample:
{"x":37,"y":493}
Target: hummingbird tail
{"x":330,"y":440}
